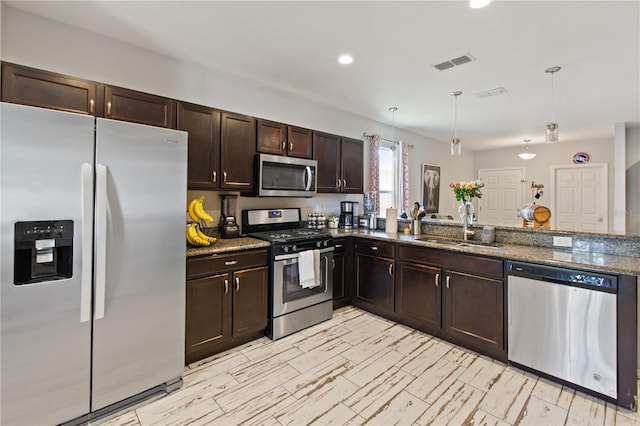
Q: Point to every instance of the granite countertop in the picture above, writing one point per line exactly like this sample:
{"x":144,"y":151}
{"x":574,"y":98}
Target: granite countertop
{"x":555,"y":257}
{"x":227,"y":245}
{"x":549,"y":256}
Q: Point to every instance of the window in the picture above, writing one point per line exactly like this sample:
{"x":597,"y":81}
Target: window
{"x":388,"y":176}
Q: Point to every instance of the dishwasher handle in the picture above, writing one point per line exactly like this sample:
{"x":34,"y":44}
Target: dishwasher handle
{"x":571,"y":277}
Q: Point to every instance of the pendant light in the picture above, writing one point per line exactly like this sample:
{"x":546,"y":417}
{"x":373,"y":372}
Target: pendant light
{"x":393,"y":121}
{"x":552,"y":127}
{"x":456,"y":144}
{"x":526,"y":154}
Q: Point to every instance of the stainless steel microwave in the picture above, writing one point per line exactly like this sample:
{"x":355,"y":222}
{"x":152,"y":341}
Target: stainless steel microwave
{"x":280,"y":176}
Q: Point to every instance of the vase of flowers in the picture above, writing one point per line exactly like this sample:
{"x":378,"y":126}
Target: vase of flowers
{"x":464,"y":192}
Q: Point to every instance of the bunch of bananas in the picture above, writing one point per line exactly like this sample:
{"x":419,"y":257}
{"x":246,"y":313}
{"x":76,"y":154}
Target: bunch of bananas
{"x":196,"y":210}
{"x":196,"y":237}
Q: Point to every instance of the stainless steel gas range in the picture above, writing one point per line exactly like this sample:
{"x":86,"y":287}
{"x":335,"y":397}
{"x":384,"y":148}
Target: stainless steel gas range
{"x":301,"y":293}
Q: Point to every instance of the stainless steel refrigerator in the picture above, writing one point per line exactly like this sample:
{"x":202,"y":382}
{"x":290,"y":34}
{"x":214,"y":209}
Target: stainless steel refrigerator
{"x":92,"y":257}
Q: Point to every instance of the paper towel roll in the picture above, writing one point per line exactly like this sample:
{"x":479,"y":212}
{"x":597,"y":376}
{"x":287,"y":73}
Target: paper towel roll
{"x":391,"y":225}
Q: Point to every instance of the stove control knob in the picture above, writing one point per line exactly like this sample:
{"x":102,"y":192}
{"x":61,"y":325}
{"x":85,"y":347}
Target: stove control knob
{"x":294,"y":248}
{"x":318,"y":244}
{"x":326,"y":243}
{"x":285,"y":249}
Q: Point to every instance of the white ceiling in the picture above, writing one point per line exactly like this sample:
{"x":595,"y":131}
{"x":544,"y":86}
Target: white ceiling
{"x":294,"y":46}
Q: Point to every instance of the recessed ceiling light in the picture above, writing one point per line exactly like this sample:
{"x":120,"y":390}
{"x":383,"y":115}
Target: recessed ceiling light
{"x":477,"y":4}
{"x":345,"y":59}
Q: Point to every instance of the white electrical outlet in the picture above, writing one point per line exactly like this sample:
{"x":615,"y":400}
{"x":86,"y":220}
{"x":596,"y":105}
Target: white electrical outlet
{"x":562,"y":242}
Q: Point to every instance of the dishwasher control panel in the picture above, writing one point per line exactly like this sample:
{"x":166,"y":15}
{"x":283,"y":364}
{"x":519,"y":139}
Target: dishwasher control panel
{"x":563,"y":275}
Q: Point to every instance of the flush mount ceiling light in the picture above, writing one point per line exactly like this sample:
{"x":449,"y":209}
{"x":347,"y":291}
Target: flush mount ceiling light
{"x":345,"y":59}
{"x":456,"y":144}
{"x":526,"y":154}
{"x":477,"y":4}
{"x":552,"y":127}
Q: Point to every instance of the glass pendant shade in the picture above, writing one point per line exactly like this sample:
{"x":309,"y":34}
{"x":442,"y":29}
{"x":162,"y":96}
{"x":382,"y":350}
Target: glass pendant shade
{"x":526,"y":155}
{"x":552,"y":133}
{"x":456,"y":146}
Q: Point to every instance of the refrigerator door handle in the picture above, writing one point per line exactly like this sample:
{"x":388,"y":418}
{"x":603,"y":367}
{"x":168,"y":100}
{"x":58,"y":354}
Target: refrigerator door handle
{"x":87,"y":242}
{"x":101,"y":238}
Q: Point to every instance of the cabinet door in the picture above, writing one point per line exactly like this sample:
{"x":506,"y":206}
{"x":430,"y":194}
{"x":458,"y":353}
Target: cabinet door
{"x":137,"y":107}
{"x":419,"y":294}
{"x":351,"y":165}
{"x":250,"y":300}
{"x":374,"y":281}
{"x":208,"y":320}
{"x":237,"y":150}
{"x":271,"y":137}
{"x":27,"y":86}
{"x":299,"y":142}
{"x":326,"y":150}
{"x":474,"y":309}
{"x":203,"y":125}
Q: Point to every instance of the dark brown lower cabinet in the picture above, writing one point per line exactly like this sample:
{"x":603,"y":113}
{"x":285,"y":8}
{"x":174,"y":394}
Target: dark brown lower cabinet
{"x":418,"y":295}
{"x":342,"y":272}
{"x":374,"y":281}
{"x":225,"y":309}
{"x":474,"y":310}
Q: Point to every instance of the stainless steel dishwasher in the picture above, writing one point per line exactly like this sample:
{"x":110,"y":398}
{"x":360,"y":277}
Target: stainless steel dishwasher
{"x":562,"y":322}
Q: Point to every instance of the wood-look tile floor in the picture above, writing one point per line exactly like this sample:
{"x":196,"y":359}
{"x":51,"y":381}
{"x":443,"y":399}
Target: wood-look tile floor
{"x":358,"y":368}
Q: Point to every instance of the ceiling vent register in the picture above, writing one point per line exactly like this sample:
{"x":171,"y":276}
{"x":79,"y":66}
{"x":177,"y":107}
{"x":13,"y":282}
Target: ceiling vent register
{"x":460,"y":60}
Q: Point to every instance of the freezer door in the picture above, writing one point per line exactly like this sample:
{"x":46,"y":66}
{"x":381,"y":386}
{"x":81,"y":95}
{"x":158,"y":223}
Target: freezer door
{"x":45,"y":353}
{"x":139,"y":315}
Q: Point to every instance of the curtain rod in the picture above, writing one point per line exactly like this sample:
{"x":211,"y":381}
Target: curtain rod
{"x":367,"y":135}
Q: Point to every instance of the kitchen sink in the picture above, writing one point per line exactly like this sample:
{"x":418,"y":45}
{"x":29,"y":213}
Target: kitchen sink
{"x":458,"y":243}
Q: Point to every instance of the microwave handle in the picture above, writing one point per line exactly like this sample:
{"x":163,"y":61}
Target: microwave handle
{"x":308,"y":173}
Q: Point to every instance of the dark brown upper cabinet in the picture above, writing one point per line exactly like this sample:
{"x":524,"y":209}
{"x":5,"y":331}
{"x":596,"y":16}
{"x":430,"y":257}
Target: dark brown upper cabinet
{"x":137,"y":107}
{"x":281,"y":139}
{"x":203,"y":125}
{"x":340,"y":162}
{"x":237,"y":151}
{"x":28,"y":86}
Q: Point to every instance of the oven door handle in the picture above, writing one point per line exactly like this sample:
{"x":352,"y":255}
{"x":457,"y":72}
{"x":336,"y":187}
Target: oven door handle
{"x":295,"y":255}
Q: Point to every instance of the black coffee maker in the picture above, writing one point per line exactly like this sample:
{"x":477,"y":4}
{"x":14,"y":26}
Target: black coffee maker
{"x":346,"y":215}
{"x":228,"y":226}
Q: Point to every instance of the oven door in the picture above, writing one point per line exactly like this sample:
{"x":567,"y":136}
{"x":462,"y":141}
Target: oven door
{"x":288,"y":294}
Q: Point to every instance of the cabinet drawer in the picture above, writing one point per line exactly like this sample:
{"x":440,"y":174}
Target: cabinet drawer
{"x":217,"y":263}
{"x":340,"y":245}
{"x":460,"y":262}
{"x":375,"y":248}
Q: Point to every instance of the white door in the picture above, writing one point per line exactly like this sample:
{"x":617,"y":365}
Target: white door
{"x":502,"y":196}
{"x":580,"y":200}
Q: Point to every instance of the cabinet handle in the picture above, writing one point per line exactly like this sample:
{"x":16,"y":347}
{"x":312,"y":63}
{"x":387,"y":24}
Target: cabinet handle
{"x":230,"y":262}
{"x":344,"y":183}
{"x":333,"y":262}
{"x":214,"y":176}
{"x":374,"y":248}
{"x":224,"y":177}
{"x":448,"y":279}
{"x":290,"y":146}
{"x":91,"y":102}
{"x":437,"y":280}
{"x":338,"y":245}
{"x":284,"y":146}
{"x":237,"y":284}
{"x":338,"y":183}
{"x":109,"y":108}
{"x":226,"y":286}
{"x":391,"y":269}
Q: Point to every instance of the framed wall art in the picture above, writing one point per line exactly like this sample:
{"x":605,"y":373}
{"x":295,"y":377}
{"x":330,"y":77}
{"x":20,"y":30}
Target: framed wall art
{"x":430,"y":188}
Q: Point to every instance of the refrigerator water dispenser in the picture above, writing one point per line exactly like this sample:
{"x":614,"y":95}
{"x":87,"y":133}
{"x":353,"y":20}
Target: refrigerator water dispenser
{"x":43,"y":251}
